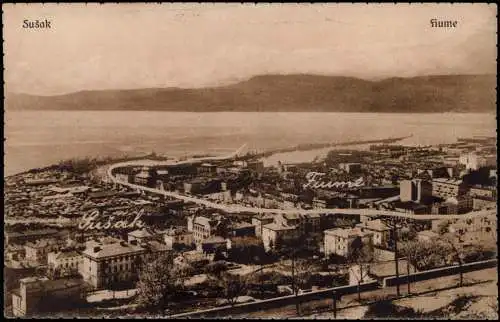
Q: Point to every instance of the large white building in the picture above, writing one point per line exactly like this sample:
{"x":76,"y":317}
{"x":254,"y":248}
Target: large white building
{"x":447,"y":188}
{"x":415,"y":190}
{"x":472,"y":161}
{"x":107,"y":263}
{"x":381,"y":232}
{"x":178,"y":236}
{"x":273,"y":234}
{"x":39,"y":250}
{"x":67,"y":263}
{"x":305,"y":223}
{"x":204,"y":227}
{"x":259,"y":221}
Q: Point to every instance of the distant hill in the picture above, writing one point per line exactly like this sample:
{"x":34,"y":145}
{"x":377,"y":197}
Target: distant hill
{"x":288,"y":93}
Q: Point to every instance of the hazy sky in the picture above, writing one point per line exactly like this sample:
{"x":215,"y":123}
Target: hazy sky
{"x":160,"y":45}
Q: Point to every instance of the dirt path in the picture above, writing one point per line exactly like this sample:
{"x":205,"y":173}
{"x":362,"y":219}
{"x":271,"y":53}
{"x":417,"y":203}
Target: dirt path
{"x":431,"y":293}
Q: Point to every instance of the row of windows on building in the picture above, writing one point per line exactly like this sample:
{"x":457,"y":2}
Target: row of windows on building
{"x":199,"y":228}
{"x":120,"y":259}
{"x":119,"y":268}
{"x":115,"y":278}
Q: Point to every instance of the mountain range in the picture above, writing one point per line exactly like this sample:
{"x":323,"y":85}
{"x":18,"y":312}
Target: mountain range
{"x":288,"y":93}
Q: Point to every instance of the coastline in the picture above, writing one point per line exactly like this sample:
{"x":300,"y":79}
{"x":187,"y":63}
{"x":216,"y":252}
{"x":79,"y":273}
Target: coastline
{"x":283,"y":153}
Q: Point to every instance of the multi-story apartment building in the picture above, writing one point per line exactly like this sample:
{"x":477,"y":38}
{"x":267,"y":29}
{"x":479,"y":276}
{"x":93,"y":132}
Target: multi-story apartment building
{"x":381,"y":232}
{"x":147,"y":177}
{"x":448,"y":188}
{"x":341,"y":241}
{"x":479,"y":203}
{"x":41,"y":295}
{"x":38,"y":251}
{"x":473,"y":161}
{"x":105,"y":264}
{"x":453,"y":206}
{"x":415,"y":190}
{"x":178,"y":236}
{"x":67,"y":263}
{"x":204,"y":227}
{"x":273,"y":234}
{"x":305,"y":223}
{"x":483,"y":192}
{"x":260,"y":221}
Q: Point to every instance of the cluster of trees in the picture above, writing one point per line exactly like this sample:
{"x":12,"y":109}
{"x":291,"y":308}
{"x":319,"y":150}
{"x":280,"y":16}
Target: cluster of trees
{"x":446,"y":250}
{"x":160,"y":281}
{"x":232,"y":286}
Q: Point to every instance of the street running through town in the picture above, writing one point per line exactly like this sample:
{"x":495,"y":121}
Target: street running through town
{"x":232,"y":208}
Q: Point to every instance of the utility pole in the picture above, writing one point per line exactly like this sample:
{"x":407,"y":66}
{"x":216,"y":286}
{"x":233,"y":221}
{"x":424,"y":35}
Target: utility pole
{"x":334,"y":304}
{"x":293,"y":272}
{"x":393,"y":225}
{"x":408,"y":274}
{"x":294,"y":286}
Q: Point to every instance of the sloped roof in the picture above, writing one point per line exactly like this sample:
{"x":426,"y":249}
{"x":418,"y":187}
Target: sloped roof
{"x":69,"y":254}
{"x":156,"y":246}
{"x":346,"y":232}
{"x":109,"y":250}
{"x":141,"y":233}
{"x":377,"y":225}
{"x":202,"y":221}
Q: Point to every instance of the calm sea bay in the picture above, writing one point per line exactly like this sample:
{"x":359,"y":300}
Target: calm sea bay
{"x":36,"y":139}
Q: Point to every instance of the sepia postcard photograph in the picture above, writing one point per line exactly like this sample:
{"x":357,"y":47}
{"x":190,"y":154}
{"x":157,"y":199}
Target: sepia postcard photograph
{"x":250,"y":161}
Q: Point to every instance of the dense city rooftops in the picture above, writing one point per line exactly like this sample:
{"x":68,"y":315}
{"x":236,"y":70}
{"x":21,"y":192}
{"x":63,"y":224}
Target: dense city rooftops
{"x":32,"y":233}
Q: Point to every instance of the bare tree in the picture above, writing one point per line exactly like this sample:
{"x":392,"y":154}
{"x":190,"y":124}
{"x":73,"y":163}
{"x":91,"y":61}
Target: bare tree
{"x":395,"y":224}
{"x":159,"y":281}
{"x":300,"y":268}
{"x":301,"y":274}
{"x":234,"y":286}
{"x":458,"y":252}
{"x":413,"y":253}
{"x":361,"y":256}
